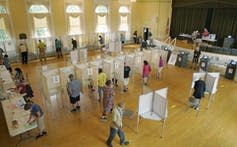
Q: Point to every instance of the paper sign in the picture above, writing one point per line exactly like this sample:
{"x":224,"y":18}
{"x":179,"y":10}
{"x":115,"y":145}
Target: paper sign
{"x":56,"y":79}
{"x":44,"y":67}
{"x":89,"y":71}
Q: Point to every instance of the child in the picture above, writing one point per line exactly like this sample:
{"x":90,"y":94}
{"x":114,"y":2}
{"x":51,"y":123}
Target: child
{"x":7,"y":64}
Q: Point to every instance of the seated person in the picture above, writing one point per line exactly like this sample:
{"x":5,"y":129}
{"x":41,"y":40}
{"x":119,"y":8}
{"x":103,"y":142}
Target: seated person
{"x":205,"y":33}
{"x":19,"y":77}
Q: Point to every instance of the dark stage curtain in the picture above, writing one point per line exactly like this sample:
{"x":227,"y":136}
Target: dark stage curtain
{"x":224,"y":23}
{"x":186,"y":20}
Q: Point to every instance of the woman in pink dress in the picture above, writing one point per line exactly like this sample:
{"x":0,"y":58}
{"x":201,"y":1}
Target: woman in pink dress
{"x":146,"y":71}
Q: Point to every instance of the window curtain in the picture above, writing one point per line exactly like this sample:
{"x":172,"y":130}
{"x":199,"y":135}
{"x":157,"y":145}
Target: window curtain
{"x":186,"y":20}
{"x":224,"y":23}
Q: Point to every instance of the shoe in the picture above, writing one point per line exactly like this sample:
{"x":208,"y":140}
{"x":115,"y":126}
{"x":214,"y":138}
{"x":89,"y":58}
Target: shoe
{"x":78,"y":107}
{"x":44,"y":133}
{"x":125,"y":90}
{"x":124,"y":143}
{"x":196,"y":108}
{"x":74,"y":110}
{"x":103,"y":118}
{"x":38,"y":136}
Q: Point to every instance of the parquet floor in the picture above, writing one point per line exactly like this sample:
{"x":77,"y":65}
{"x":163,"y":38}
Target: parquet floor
{"x":215,"y":127}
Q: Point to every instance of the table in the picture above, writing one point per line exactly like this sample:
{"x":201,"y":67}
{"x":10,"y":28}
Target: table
{"x":13,"y":109}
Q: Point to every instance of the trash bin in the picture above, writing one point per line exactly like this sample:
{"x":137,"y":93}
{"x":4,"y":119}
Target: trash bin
{"x":230,"y":70}
{"x":182,"y":59}
{"x":203,"y":64}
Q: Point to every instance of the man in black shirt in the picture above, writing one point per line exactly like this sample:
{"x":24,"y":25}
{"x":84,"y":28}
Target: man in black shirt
{"x":74,"y":44}
{"x":126,"y":77}
{"x":196,"y":55}
{"x":199,"y":89}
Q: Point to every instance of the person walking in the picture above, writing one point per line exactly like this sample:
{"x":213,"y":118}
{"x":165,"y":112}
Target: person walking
{"x":108,"y":100}
{"x":116,"y":126}
{"x":146,"y":71}
{"x":42,"y":48}
{"x":101,"y":83}
{"x":36,"y":114}
{"x":73,"y":89}
{"x":58,"y":46}
{"x":24,"y":53}
{"x":127,"y":70}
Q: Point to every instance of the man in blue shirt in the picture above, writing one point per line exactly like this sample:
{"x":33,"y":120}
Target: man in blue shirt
{"x":73,"y":89}
{"x":36,"y":114}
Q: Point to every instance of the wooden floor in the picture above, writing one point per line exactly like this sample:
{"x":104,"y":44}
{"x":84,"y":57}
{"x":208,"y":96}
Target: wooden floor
{"x":215,"y":127}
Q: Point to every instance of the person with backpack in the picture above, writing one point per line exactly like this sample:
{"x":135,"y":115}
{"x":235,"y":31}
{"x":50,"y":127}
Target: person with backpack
{"x":199,"y":89}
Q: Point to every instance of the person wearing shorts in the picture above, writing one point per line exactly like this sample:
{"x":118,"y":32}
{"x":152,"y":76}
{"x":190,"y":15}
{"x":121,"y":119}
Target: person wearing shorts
{"x":73,"y":88}
{"x":127,"y":70}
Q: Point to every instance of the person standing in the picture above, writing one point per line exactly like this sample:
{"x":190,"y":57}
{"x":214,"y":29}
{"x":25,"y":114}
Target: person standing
{"x":199,"y":89}
{"x":116,"y":126}
{"x":58,"y":46}
{"x":24,"y":52}
{"x":101,"y":83}
{"x":161,"y":66}
{"x":74,"y":44}
{"x":73,"y":89}
{"x":108,"y":100}
{"x":135,"y":37}
{"x":196,"y":55}
{"x":146,"y":71}
{"x":7,"y":63}
{"x":42,"y":48}
{"x":127,"y":70}
{"x":36,"y":114}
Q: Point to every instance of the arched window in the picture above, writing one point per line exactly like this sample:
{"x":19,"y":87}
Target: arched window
{"x":73,"y":9}
{"x":123,"y":9}
{"x":101,"y":9}
{"x":40,"y":21}
{"x":38,"y":9}
{"x":3,"y":10}
{"x":4,"y":28}
{"x":124,"y":17}
{"x":102,"y":15}
{"x":73,"y":13}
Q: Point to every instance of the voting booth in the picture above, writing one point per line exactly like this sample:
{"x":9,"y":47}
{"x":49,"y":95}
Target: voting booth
{"x":154,"y":106}
{"x":119,"y":68}
{"x":51,"y":83}
{"x":64,"y":76}
{"x":147,"y":55}
{"x":129,"y":59}
{"x":82,"y":55}
{"x":74,"y":56}
{"x":138,"y":63}
{"x":211,"y":79}
{"x":108,"y":68}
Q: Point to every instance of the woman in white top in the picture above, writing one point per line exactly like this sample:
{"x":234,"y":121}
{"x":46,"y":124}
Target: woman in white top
{"x":23,"y":51}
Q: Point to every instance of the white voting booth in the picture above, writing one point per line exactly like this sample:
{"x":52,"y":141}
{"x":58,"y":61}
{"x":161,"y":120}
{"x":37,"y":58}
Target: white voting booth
{"x":211,"y":80}
{"x":82,"y":55}
{"x":82,"y":75}
{"x":108,"y":68}
{"x":129,"y":59}
{"x":138,"y":63}
{"x":147,"y":55}
{"x":154,"y":106}
{"x":74,"y":56}
{"x":51,"y":83}
{"x":119,"y":68}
